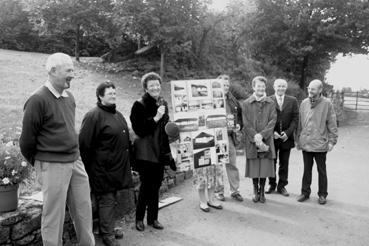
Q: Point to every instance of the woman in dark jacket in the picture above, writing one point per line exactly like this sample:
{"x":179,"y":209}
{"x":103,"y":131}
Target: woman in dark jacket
{"x":149,"y":116}
{"x":104,"y":146}
{"x":259,"y":118}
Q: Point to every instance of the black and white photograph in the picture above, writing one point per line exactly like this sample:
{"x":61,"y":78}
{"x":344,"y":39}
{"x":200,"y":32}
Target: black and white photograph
{"x":184,"y":122}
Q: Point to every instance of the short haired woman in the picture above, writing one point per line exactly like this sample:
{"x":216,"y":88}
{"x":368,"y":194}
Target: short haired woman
{"x":149,"y":116}
{"x":104,"y":147}
{"x":259,"y":118}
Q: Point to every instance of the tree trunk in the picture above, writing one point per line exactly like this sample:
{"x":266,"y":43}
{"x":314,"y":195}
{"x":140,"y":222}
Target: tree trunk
{"x":201,"y":50}
{"x":303,"y":72}
{"x":76,"y":48}
{"x":162,"y":60}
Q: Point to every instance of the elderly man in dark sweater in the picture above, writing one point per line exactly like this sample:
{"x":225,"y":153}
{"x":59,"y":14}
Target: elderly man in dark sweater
{"x":50,"y":143}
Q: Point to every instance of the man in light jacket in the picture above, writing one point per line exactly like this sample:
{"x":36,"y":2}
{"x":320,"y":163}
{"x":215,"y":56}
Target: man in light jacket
{"x":316,"y":135}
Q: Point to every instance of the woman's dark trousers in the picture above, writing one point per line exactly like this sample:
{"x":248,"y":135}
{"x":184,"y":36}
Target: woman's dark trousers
{"x":151,"y":176}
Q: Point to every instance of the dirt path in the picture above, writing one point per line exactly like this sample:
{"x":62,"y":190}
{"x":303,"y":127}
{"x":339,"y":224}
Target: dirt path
{"x":344,"y":220}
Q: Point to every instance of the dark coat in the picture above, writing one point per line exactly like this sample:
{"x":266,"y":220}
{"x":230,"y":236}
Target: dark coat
{"x":152,"y":142}
{"x":236,"y":110}
{"x":104,"y":146}
{"x":287,"y":120}
{"x":259,"y":117}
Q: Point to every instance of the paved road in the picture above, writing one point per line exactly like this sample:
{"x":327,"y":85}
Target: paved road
{"x":344,"y":220}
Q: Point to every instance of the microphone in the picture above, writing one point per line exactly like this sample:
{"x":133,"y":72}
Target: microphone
{"x":160,"y":102}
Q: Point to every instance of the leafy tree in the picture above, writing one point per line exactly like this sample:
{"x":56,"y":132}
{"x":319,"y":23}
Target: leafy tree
{"x":302,"y":37}
{"x":80,"y":16}
{"x":164,"y":24}
{"x":15,"y":28}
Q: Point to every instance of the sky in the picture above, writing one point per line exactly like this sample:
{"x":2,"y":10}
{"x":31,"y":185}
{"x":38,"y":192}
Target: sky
{"x":349,"y":71}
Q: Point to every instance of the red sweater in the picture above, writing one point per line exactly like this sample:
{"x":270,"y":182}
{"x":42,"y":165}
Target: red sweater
{"x":48,"y":132}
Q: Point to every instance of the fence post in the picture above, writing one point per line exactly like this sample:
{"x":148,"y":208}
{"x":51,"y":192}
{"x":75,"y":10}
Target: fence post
{"x":357,"y":99}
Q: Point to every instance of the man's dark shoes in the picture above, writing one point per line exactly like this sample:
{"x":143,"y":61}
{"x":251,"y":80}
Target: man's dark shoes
{"x":156,"y":224}
{"x":283,"y":191}
{"x":110,"y":241}
{"x":302,"y":198}
{"x":270,"y":190}
{"x":237,"y":197}
{"x":322,"y":200}
{"x":140,"y":225}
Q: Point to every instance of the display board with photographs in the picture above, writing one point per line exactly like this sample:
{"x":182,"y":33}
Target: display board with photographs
{"x":200,"y":113}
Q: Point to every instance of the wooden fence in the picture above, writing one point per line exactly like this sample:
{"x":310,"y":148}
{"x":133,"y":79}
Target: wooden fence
{"x":354,"y":100}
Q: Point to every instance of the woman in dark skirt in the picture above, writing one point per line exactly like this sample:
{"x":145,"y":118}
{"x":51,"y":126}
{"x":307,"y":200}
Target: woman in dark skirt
{"x":259,"y":117}
{"x":149,"y":116}
{"x":104,"y":146}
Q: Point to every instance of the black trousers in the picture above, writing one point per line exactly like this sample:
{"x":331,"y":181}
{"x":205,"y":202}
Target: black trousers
{"x":283,"y":157}
{"x":320,"y":159}
{"x":151,"y":176}
{"x":103,"y":207}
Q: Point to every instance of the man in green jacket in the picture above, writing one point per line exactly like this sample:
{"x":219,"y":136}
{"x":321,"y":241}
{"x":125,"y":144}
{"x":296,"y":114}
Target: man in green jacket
{"x":316,"y":135}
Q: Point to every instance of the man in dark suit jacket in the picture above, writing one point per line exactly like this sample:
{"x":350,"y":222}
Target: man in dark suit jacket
{"x":287,"y":120}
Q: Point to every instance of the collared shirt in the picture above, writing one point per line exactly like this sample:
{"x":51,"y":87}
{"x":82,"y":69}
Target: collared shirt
{"x":55,"y":92}
{"x":280,"y":100}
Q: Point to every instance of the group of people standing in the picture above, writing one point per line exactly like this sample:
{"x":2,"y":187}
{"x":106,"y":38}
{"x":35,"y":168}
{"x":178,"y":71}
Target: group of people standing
{"x":272,"y":126}
{"x":50,"y":143}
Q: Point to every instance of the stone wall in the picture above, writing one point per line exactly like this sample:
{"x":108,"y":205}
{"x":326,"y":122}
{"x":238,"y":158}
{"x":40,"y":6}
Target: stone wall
{"x":22,"y":227}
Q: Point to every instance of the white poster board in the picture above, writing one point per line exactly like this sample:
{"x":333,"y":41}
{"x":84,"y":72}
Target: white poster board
{"x":200,"y":113}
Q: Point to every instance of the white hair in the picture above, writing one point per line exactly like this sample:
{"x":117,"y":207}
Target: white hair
{"x":57,"y":59}
{"x":277,"y":81}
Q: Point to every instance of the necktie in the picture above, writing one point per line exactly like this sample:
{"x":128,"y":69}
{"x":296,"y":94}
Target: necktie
{"x":280,"y":102}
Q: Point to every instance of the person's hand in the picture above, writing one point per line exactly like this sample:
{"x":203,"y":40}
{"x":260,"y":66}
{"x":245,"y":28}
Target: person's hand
{"x":238,"y":128}
{"x":330,"y":147}
{"x":276,"y":135}
{"x":258,"y":138}
{"x":284,"y":136}
{"x":160,"y":112}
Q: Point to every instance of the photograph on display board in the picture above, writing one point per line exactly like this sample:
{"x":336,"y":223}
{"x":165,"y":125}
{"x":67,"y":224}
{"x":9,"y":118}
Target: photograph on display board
{"x":185,"y":137}
{"x":194,"y":105}
{"x":218,"y":94}
{"x":221,"y":147}
{"x":202,"y":120}
{"x":220,"y":134}
{"x":218,"y":103}
{"x":204,"y":157}
{"x":180,"y":103}
{"x":216,"y":121}
{"x":216,"y":84}
{"x":185,"y":152}
{"x":180,"y":96}
{"x":203,"y":139}
{"x":187,"y":124}
{"x":199,"y":90}
{"x":206,"y":104}
{"x":223,"y":158}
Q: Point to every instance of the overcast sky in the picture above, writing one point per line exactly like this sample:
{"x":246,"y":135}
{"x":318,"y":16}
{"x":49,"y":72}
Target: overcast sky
{"x":350,"y":71}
